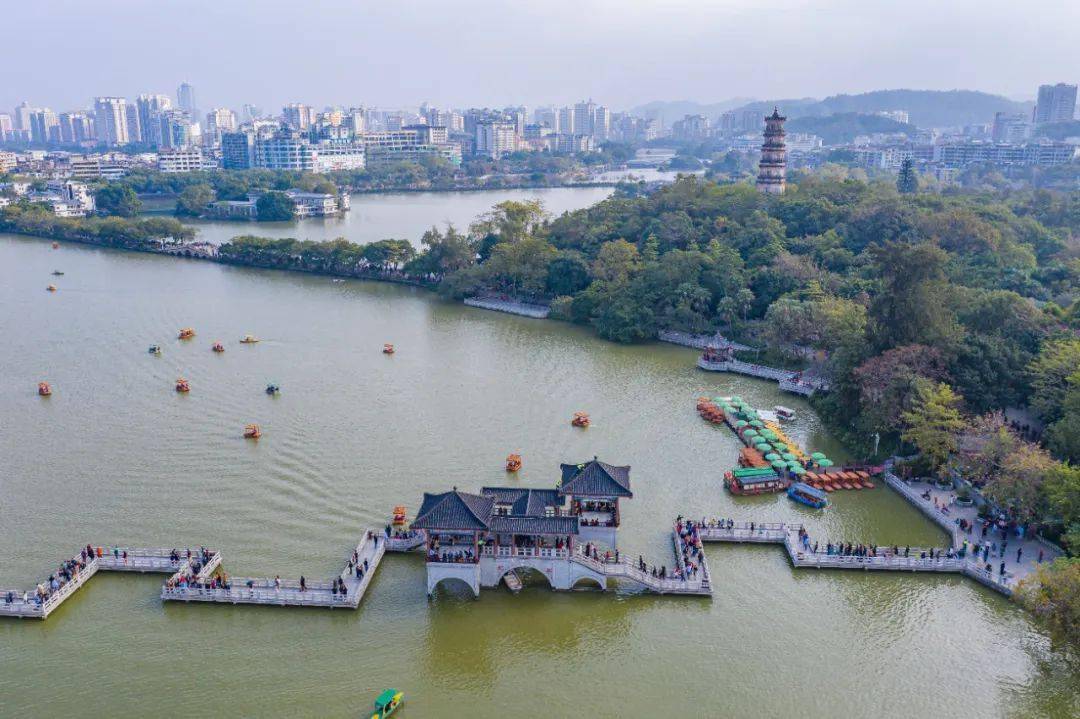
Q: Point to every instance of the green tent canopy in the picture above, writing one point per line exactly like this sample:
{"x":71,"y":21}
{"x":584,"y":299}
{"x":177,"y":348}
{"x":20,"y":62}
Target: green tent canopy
{"x":763,"y":447}
{"x":817,"y":455}
{"x":796,"y":469}
{"x":750,"y":433}
{"x":779,"y":465}
{"x":772,"y":457}
{"x":757,"y":423}
{"x":788,"y":457}
{"x":825,"y":462}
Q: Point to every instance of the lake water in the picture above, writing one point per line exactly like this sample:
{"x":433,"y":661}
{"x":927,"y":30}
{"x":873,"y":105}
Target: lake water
{"x":117,"y":456}
{"x":396,"y":215}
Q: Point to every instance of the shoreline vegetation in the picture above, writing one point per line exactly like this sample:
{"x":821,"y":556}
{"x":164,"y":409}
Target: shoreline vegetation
{"x":929,"y":314}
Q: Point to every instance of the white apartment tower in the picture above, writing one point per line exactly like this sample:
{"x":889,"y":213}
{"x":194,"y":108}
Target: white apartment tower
{"x":110,"y":120}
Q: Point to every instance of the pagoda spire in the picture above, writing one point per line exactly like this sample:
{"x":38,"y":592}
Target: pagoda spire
{"x":772,"y":169}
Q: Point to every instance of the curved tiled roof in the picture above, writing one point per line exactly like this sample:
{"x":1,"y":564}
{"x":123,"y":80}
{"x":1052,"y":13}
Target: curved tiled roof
{"x":595,"y":479}
{"x":453,"y":510}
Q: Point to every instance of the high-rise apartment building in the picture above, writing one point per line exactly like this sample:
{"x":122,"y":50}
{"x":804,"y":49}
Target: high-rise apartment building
{"x":44,"y":126}
{"x":76,"y":128}
{"x":22,"y":116}
{"x":7,"y":127}
{"x":250,"y":112}
{"x":298,"y":116}
{"x":566,"y":121}
{"x":218,"y":121}
{"x":583,"y":118}
{"x":1056,"y":103}
{"x":238,"y":150}
{"x":150,"y":108}
{"x":110,"y":120}
{"x":135,"y":128}
{"x":185,"y":99}
{"x":495,"y":139}
{"x":1009,"y":127}
{"x":175,"y":129}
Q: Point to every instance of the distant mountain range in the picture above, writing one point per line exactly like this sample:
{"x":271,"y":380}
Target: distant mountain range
{"x":926,"y":108}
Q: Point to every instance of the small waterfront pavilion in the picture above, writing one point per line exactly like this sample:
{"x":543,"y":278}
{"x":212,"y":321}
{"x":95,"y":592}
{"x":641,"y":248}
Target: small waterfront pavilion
{"x":479,"y":538}
{"x":593,"y":490}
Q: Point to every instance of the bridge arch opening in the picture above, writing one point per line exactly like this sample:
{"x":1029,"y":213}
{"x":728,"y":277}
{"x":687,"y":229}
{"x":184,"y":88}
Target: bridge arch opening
{"x":453,"y":587}
{"x":530,"y":577}
{"x":588,"y":584}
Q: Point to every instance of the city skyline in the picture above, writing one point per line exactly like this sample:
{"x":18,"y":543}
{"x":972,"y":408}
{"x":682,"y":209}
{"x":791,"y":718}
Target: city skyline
{"x":535,"y":56}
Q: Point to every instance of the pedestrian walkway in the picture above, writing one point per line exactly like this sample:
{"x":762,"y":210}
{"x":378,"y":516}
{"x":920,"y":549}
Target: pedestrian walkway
{"x":194,"y":576}
{"x":940,"y":507}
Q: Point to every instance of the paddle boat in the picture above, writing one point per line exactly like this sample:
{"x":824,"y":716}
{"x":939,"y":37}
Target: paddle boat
{"x":51,"y":288}
{"x":272,"y":389}
{"x":154,"y":350}
{"x":186,"y":333}
{"x":387,"y":703}
{"x":399,"y":519}
{"x":805,"y":494}
{"x":58,"y":273}
{"x":785,"y":413}
{"x":44,"y":389}
{"x":248,"y":340}
{"x":252,"y":431}
{"x":218,"y":347}
{"x":513,"y":463}
{"x":182,"y":385}
{"x":388,"y":349}
{"x":581,"y":419}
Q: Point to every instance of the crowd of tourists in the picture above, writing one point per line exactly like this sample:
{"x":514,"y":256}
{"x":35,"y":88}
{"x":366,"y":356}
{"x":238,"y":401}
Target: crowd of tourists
{"x":691,"y":554}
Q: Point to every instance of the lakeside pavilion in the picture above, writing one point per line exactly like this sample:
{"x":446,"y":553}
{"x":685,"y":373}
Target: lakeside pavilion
{"x":480,"y":538}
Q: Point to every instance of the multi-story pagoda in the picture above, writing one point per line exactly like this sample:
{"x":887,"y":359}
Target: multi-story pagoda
{"x":772,"y":168}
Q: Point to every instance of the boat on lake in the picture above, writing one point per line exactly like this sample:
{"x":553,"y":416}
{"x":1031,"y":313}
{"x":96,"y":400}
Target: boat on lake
{"x":186,"y":333}
{"x":51,"y":288}
{"x":581,"y":419}
{"x":154,"y":350}
{"x":754,"y":480}
{"x":182,"y":385}
{"x":252,"y":431}
{"x":387,"y":703}
{"x":785,"y":413}
{"x":388,"y":349}
{"x":57,"y":272}
{"x":44,"y":389}
{"x":272,"y":389}
{"x":805,"y":494}
{"x":513,"y":463}
{"x":218,"y":347}
{"x":249,"y":340}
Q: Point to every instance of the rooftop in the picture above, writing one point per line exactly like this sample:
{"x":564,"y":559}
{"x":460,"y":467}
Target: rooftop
{"x":595,"y":479}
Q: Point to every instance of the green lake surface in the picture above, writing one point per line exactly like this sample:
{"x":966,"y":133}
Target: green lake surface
{"x":116,"y":456}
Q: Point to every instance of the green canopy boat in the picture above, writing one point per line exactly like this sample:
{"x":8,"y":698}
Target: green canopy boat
{"x":772,"y":457}
{"x":817,"y":455}
{"x":740,"y":423}
{"x":757,"y":423}
{"x":387,"y":703}
{"x":825,"y":462}
{"x":788,"y":457}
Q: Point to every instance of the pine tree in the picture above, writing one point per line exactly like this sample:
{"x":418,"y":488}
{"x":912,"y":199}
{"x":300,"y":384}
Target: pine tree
{"x":908,"y":181}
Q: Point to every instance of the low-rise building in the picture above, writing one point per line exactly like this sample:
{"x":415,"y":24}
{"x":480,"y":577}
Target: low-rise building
{"x":184,"y":160}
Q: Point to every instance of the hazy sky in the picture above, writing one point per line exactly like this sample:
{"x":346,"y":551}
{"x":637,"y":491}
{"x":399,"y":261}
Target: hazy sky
{"x":390,"y":53}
